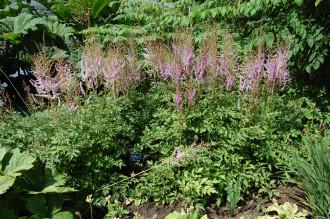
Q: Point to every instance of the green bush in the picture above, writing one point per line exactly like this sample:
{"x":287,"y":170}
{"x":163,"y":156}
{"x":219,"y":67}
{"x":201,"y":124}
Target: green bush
{"x":195,"y":155}
{"x":91,"y":144}
{"x":221,"y":141}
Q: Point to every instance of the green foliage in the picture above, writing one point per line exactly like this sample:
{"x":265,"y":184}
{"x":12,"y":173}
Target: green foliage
{"x":220,"y":141}
{"x":284,"y":211}
{"x":92,"y":152}
{"x":233,"y":194}
{"x":9,"y":171}
{"x":115,"y":210}
{"x":12,"y":28}
{"x":313,"y":173}
{"x":193,"y":155}
{"x":27,"y":187}
{"x":84,"y":13}
{"x":190,"y":214}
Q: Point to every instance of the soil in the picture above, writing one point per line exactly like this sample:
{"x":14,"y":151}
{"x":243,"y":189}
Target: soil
{"x":246,"y":210}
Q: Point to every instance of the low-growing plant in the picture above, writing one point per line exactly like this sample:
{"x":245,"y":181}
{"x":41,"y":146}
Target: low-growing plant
{"x":115,"y":209}
{"x":284,"y":211}
{"x":188,"y":214}
{"x":28,"y":189}
{"x":233,"y":190}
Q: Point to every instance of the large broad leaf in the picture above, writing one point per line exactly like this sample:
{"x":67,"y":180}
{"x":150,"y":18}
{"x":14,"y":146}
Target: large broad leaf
{"x":3,"y":152}
{"x":18,"y":162}
{"x":37,"y":205}
{"x":98,"y":6}
{"x":53,"y":183}
{"x":5,"y":183}
{"x":63,"y":215}
{"x":55,"y":203}
{"x":20,"y":24}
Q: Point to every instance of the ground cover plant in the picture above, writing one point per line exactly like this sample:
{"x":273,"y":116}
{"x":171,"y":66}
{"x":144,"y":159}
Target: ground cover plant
{"x":118,"y":109}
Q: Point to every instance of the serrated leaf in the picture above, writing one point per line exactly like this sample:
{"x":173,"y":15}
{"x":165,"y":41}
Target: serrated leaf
{"x":63,"y":215}
{"x":18,"y":162}
{"x":54,"y":189}
{"x":5,"y":183}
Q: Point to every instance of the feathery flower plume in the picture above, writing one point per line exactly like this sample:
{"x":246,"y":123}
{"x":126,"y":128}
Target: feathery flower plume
{"x":45,"y":85}
{"x":178,"y":100}
{"x":201,"y":65}
{"x":191,"y":96}
{"x":282,"y":71}
{"x":230,"y":82}
{"x":64,"y":76}
{"x":113,"y":65}
{"x":91,"y":65}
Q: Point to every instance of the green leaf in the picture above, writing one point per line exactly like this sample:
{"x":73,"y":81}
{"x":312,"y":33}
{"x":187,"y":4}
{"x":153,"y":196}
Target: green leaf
{"x":3,"y":152}
{"x":37,"y":204}
{"x":98,"y":6}
{"x":18,"y":162}
{"x":55,"y":203}
{"x":7,"y":214}
{"x":316,"y":65}
{"x":317,"y":2}
{"x":299,"y":2}
{"x":5,"y":183}
{"x":53,"y":183}
{"x":63,"y":215}
{"x":310,"y":42}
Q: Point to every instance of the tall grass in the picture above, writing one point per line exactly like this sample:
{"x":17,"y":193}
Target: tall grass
{"x":314,"y":176}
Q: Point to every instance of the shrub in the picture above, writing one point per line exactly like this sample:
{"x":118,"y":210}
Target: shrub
{"x":219,"y":141}
{"x":90,"y":144}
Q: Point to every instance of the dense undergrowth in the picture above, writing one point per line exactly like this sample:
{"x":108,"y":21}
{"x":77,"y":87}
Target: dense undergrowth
{"x":115,"y":104}
{"x":192,"y":155}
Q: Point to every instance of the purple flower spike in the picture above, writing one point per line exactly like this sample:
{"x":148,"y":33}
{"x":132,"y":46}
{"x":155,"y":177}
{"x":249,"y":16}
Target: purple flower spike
{"x":223,"y":67}
{"x":188,"y":59}
{"x":191,"y":96}
{"x":271,"y":73}
{"x":229,"y":82}
{"x":165,"y":70}
{"x":243,"y":85}
{"x":201,"y":66}
{"x":178,"y":98}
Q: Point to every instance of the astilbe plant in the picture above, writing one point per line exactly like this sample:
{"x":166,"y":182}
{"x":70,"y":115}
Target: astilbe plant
{"x":253,"y":74}
{"x":5,"y":101}
{"x":270,"y":70}
{"x":45,"y":85}
{"x":53,"y":86}
{"x":180,"y":65}
{"x":188,"y":70}
{"x":227,"y":65}
{"x":91,"y":66}
{"x":113,"y":65}
{"x":121,"y":69}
